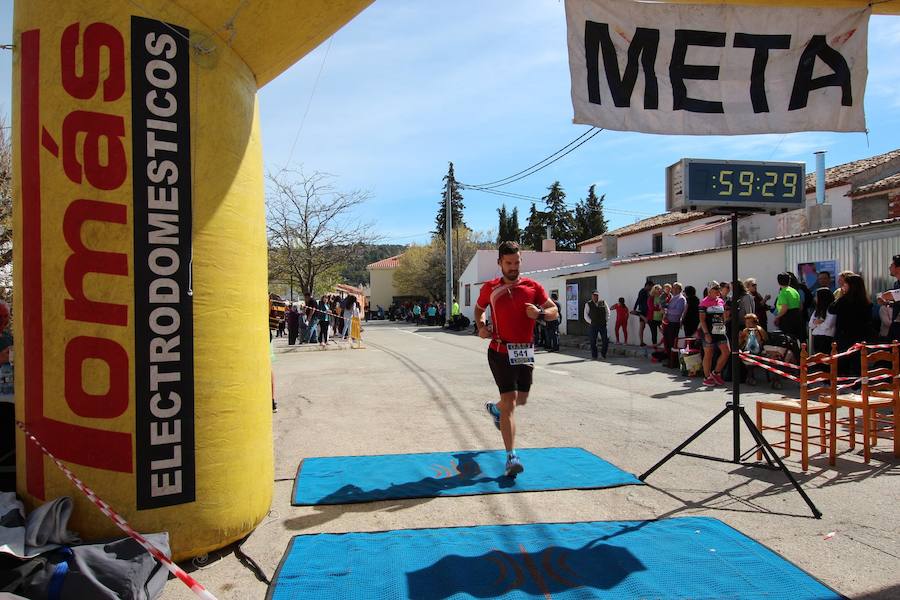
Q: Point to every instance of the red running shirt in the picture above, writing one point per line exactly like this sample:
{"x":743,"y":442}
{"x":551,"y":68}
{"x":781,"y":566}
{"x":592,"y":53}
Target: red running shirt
{"x":621,"y":312}
{"x":508,"y":317}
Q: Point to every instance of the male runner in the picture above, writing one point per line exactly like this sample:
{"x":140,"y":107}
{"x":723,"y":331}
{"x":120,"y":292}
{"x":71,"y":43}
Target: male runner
{"x":516,"y":302}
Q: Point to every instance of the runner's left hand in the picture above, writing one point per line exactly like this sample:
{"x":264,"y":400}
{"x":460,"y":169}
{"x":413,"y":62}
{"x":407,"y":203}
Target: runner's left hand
{"x":532,"y":311}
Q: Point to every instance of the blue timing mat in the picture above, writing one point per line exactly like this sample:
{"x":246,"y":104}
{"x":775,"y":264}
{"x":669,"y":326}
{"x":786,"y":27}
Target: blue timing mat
{"x":350,"y":479}
{"x":690,"y":557}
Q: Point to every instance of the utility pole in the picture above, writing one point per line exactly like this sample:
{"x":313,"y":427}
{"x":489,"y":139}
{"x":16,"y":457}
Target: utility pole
{"x":448,"y":243}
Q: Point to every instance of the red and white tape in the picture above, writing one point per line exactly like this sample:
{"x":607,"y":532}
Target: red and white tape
{"x":751,"y":361}
{"x":766,"y":359}
{"x":122,"y":524}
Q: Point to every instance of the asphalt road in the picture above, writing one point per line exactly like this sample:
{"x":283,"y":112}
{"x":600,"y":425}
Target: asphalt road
{"x":420,"y":389}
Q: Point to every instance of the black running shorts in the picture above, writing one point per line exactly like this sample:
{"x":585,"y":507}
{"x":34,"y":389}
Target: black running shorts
{"x":509,"y":378}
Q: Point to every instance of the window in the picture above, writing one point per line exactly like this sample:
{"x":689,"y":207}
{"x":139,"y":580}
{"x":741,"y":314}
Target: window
{"x":468,"y":294}
{"x":657,"y":242}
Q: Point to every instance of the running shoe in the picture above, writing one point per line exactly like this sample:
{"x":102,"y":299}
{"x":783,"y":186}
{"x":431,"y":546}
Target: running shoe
{"x":494,"y":412}
{"x":718,"y":378}
{"x":710,"y":381}
{"x":513,"y":467}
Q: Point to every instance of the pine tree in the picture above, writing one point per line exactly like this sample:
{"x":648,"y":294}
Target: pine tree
{"x":503,"y":227}
{"x":456,"y":205}
{"x":515,"y":233}
{"x":535,"y":230}
{"x":589,"y":218}
{"x":559,"y":217}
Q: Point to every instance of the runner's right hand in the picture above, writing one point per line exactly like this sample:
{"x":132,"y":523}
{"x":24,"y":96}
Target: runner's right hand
{"x":485,"y":332}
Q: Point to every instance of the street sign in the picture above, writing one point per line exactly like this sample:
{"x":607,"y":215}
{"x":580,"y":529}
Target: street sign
{"x":727,"y":186}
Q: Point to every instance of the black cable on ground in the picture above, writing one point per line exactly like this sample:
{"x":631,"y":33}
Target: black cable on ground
{"x":248,"y":562}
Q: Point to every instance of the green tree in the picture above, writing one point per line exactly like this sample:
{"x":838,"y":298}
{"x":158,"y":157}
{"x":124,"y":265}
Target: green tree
{"x":589,"y":218}
{"x":503,"y":226}
{"x":421,"y":271}
{"x":535,"y":230}
{"x":559,"y":217}
{"x":456,"y":205}
{"x":515,"y":233}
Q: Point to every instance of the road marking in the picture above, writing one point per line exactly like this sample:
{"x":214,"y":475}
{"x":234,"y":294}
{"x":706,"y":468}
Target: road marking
{"x":414,"y":333}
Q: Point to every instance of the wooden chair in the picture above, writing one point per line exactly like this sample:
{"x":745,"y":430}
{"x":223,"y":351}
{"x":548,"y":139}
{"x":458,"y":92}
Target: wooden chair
{"x":879,"y":389}
{"x":813,"y":385}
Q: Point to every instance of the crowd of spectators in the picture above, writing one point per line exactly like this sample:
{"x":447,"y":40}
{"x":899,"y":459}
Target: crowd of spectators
{"x":837,"y":310}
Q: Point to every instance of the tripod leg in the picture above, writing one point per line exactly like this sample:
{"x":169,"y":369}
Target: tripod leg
{"x":762,"y":441}
{"x":684,"y":444}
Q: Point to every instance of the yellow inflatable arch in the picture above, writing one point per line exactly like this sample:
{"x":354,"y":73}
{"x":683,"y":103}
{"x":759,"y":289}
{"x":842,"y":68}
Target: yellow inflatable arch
{"x":140,"y":279}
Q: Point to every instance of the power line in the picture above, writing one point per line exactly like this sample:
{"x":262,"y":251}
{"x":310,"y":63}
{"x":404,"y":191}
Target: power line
{"x":515,"y":196}
{"x":547,"y":161}
{"x":309,"y":102}
{"x":539,"y":162}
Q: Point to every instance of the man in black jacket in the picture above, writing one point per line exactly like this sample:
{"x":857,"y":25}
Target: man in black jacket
{"x":596,"y":314}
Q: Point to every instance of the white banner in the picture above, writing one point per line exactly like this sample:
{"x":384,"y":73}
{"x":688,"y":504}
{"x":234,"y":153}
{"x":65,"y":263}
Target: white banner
{"x":703,"y":70}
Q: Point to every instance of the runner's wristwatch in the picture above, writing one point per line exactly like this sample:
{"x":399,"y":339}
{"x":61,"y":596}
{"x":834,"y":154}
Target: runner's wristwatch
{"x":540,"y":316}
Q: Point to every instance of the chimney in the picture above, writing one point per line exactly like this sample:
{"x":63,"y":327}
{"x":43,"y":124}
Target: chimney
{"x":549,"y":244}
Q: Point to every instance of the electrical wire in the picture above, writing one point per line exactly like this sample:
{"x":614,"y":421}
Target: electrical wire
{"x":501,"y":193}
{"x":309,"y":102}
{"x":547,"y":164}
{"x":539,"y":162}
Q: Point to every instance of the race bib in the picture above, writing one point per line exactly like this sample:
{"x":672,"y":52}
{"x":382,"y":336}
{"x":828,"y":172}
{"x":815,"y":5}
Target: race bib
{"x":520,"y":354}
{"x":718,"y":329}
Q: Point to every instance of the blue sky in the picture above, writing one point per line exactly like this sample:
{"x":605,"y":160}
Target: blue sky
{"x":408,"y":86}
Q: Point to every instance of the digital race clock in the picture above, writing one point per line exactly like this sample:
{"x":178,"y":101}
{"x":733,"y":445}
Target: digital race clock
{"x":734,"y":185}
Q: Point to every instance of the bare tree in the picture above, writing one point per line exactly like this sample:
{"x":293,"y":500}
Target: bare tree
{"x":312,"y":228}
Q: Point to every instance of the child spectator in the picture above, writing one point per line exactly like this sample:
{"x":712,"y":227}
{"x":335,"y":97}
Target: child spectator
{"x":752,"y":339}
{"x":621,"y":319}
{"x":821,"y":323}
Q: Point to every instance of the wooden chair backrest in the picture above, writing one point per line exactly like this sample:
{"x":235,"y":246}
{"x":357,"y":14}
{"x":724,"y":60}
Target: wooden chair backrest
{"x":817,"y":383}
{"x":869,"y":361}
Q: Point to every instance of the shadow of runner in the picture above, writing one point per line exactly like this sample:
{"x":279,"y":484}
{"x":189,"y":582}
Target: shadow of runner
{"x":467,"y":471}
{"x":552,"y":570}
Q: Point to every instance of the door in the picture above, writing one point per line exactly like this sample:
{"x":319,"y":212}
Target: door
{"x":586,"y":285}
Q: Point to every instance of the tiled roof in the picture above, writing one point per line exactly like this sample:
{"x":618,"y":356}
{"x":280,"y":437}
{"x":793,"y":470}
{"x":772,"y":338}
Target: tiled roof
{"x":888,"y":183}
{"x":820,"y":232}
{"x":386,"y":263}
{"x":841,"y":174}
{"x":672,"y":218}
{"x":708,"y":226}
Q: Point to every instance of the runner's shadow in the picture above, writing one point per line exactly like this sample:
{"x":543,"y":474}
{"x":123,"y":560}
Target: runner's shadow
{"x":552,"y":570}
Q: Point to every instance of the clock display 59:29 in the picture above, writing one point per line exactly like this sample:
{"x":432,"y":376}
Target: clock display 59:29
{"x":747,"y":183}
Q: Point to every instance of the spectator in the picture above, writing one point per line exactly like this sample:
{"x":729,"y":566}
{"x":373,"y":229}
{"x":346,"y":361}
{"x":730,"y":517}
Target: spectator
{"x":655,"y":311}
{"x":713,"y":334}
{"x":891,"y":302}
{"x":293,"y":324}
{"x":746,"y":303}
{"x":641,"y":309}
{"x":324,"y":320}
{"x":596,"y":314}
{"x":842,"y":276}
{"x":553,"y":326}
{"x":853,"y":319}
{"x":823,"y":280}
{"x":417,"y":313}
{"x":788,"y":314}
{"x":807,"y":300}
{"x":675,"y":309}
{"x":760,"y":303}
{"x":821,"y":323}
{"x":751,"y":340}
{"x":347,"y":312}
{"x":621,"y":319}
{"x":691,"y":318}
{"x":432,"y":313}
{"x":726,"y":293}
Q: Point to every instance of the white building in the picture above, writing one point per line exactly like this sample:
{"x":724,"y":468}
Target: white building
{"x":483,"y":267}
{"x":857,"y":227}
